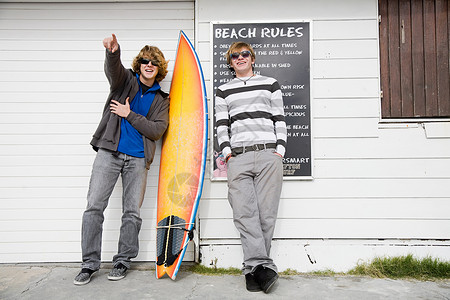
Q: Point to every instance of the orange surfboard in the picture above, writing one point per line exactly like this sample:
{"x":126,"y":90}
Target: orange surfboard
{"x":183,"y":159}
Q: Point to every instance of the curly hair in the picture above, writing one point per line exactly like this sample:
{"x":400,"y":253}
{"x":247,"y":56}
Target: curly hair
{"x":153,"y":53}
{"x":236,"y":46}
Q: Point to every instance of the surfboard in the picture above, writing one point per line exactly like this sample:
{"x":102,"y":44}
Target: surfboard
{"x":183,"y":159}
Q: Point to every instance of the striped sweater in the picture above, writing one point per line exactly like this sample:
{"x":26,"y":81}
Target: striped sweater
{"x":249,"y":113}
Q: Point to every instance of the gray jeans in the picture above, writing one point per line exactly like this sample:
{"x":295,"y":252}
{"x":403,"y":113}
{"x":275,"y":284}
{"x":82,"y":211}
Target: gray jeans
{"x":254,"y":188}
{"x":105,"y":172}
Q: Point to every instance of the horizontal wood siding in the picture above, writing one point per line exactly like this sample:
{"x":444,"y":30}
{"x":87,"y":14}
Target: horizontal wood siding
{"x":52,"y":93}
{"x":370,"y":181}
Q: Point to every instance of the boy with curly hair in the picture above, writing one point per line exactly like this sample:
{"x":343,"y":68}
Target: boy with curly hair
{"x":125,"y":141}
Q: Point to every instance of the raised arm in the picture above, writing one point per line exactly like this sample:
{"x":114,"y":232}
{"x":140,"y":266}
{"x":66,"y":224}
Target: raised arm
{"x":114,"y":70}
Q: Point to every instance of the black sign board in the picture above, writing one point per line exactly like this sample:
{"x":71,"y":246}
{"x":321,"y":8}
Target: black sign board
{"x":282,"y":52}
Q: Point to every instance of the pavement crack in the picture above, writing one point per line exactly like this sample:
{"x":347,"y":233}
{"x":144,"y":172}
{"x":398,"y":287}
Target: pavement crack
{"x":193,"y":290}
{"x":38,"y":282}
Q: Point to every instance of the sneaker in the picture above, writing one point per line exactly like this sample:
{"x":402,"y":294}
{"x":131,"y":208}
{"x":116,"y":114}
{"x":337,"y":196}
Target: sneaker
{"x":265,"y":277}
{"x":84,"y":277}
{"x":118,"y":272}
{"x":251,"y":284}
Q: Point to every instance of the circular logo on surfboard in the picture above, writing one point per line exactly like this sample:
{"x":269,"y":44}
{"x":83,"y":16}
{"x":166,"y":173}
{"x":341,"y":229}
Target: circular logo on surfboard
{"x":182,"y":189}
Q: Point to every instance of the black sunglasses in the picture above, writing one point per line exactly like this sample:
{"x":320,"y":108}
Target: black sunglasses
{"x":145,"y":61}
{"x":235,"y":55}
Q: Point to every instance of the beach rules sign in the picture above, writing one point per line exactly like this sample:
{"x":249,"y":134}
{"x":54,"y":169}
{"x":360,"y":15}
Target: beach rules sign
{"x":283,"y":51}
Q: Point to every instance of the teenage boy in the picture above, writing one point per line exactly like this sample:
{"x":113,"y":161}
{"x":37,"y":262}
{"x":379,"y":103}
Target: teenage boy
{"x":251,"y":133}
{"x":136,"y":114}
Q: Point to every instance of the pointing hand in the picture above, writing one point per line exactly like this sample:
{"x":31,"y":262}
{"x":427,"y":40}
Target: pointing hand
{"x":111,"y":43}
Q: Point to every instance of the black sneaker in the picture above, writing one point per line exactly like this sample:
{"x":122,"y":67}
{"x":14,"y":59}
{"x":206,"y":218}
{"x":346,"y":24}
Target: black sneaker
{"x":265,"y":277}
{"x":251,"y":284}
{"x":118,"y":272}
{"x":83,"y":277}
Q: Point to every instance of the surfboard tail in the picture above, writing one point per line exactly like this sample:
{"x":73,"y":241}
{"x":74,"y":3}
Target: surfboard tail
{"x":176,"y":234}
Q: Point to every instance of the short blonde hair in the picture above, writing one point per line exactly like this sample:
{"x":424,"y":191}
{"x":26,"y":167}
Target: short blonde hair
{"x":152,"y":53}
{"x":236,"y":46}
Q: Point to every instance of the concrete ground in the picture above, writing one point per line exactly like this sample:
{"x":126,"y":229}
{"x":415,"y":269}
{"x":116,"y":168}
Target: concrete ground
{"x":55,"y":281}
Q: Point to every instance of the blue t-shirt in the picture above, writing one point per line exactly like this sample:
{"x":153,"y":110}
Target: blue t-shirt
{"x":131,"y":141}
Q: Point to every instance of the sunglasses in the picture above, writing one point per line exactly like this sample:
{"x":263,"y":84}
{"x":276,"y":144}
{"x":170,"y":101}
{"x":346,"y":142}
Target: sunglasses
{"x":244,"y":54}
{"x":145,"y":61}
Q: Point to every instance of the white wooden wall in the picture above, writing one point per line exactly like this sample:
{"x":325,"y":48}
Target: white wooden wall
{"x":378,"y":189}
{"x":52,"y":93}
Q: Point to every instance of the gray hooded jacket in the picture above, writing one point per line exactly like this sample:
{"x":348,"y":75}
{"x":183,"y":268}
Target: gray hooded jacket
{"x":123,"y":84}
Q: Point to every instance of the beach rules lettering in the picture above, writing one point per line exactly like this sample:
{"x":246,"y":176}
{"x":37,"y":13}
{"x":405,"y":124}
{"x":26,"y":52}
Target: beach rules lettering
{"x":283,"y":52}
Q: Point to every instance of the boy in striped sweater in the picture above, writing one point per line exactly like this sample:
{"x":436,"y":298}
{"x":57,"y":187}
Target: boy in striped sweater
{"x":251,"y":133}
